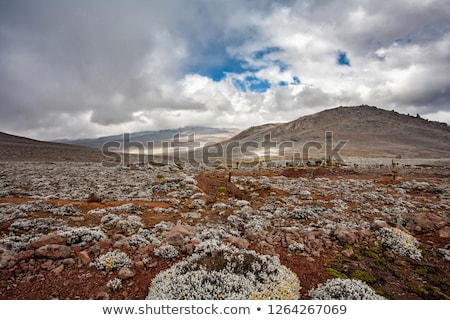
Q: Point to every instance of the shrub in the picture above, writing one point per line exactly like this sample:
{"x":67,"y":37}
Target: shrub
{"x":344,"y":289}
{"x":197,"y":204}
{"x":221,"y":189}
{"x":19,"y":243}
{"x":113,"y":260}
{"x":299,"y":247}
{"x":35,"y":225}
{"x":127,"y":223}
{"x":217,"y":272}
{"x":400,"y":242}
{"x":308,"y":212}
{"x":114,"y":284}
{"x":83,"y":236}
{"x":143,"y":238}
{"x":66,"y":210}
{"x":166,"y":251}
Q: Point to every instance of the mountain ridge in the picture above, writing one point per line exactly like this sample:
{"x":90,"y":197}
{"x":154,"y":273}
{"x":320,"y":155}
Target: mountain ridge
{"x":370,"y":131}
{"x":157,"y":136}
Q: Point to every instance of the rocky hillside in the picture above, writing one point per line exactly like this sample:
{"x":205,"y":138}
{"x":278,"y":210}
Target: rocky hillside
{"x":15,"y":148}
{"x":370,"y":132}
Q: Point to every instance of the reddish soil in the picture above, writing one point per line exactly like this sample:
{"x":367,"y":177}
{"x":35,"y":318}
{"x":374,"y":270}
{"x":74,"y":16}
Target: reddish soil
{"x":395,"y":278}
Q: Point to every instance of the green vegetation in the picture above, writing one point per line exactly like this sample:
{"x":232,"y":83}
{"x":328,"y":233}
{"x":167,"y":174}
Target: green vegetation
{"x":222,"y":190}
{"x":336,"y":274}
{"x":418,"y":290}
{"x":363,"y":276}
{"x":421,"y":271}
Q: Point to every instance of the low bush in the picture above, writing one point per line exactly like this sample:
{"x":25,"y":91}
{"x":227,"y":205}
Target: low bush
{"x":344,"y":289}
{"x":113,"y":260}
{"x":400,"y":242}
{"x":218,"y":272}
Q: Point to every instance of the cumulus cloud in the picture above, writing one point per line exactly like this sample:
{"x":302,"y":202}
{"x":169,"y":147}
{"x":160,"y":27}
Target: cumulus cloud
{"x":88,"y":68}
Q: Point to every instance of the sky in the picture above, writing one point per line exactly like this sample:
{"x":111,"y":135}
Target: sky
{"x":78,"y":69}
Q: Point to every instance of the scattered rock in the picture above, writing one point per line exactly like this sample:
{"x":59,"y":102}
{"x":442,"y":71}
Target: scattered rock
{"x":238,"y":242}
{"x":53,"y":251}
{"x":7,"y":258}
{"x":429,"y":221}
{"x":345,"y":235}
{"x":25,"y":255}
{"x":69,"y":262}
{"x":58,"y":270}
{"x":140,"y":265}
{"x":102,"y":295}
{"x":84,"y":257}
{"x":125,"y":273}
{"x":52,"y":238}
{"x":47,"y":265}
{"x":176,"y":236}
{"x":444,"y":232}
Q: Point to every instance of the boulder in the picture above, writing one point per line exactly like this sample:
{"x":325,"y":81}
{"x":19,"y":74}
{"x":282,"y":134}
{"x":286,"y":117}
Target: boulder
{"x":58,"y":270}
{"x":25,"y":255}
{"x":7,"y":258}
{"x":176,"y":236}
{"x":429,"y":221}
{"x":53,"y":251}
{"x":345,"y":235}
{"x":51,"y":238}
{"x":444,"y":232}
{"x":238,"y":242}
{"x":84,"y":257}
{"x":125,"y":274}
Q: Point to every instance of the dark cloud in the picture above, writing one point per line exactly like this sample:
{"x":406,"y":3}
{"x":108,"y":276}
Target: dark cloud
{"x":89,"y":68}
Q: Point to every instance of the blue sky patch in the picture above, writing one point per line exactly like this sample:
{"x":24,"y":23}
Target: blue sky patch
{"x":342,"y":59}
{"x":240,"y":85}
{"x":261,"y":53}
{"x":257,"y":85}
{"x":252,"y":84}
{"x":219,"y":71}
{"x":296,"y":81}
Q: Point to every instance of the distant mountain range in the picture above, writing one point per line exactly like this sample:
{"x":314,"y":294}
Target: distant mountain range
{"x":369,"y":132}
{"x":202,"y":135}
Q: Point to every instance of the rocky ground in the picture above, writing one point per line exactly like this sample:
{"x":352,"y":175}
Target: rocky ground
{"x":74,"y":230}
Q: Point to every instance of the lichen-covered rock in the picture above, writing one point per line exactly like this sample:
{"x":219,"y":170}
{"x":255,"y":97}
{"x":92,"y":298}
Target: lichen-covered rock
{"x":218,"y":272}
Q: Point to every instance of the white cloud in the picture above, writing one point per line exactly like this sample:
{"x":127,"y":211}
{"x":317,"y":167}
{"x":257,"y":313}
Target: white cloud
{"x":94,"y":70}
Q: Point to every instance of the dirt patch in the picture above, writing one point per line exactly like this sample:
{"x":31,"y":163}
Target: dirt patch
{"x":318,"y":172}
{"x":216,"y":185}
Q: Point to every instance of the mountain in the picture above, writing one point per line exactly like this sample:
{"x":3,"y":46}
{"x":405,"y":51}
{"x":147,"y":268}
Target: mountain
{"x":369,"y":132}
{"x":15,"y":148}
{"x":203,"y":135}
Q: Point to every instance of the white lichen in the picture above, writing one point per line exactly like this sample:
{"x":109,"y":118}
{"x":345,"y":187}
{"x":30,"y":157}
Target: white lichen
{"x":400,"y":242}
{"x":217,"y":272}
{"x":344,"y":289}
{"x":166,"y":251}
{"x":113,"y":260}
